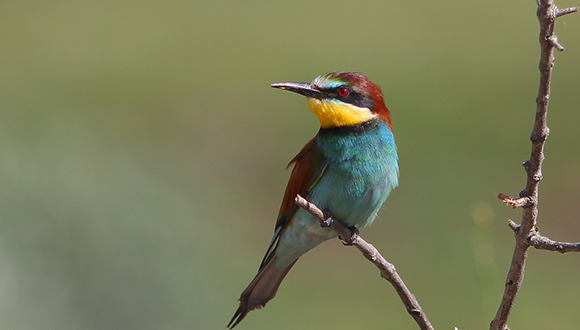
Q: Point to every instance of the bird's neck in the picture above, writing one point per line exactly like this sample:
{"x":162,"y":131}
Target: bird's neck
{"x":369,"y":125}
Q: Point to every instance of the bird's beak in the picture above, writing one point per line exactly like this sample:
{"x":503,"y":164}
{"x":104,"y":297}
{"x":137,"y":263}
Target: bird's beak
{"x":301,"y":88}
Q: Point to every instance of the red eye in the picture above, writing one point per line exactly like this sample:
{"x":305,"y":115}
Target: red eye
{"x":343,"y":91}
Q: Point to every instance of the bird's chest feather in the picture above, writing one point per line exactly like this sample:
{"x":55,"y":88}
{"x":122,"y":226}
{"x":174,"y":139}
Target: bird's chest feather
{"x":362,"y":169}
{"x":359,"y":172}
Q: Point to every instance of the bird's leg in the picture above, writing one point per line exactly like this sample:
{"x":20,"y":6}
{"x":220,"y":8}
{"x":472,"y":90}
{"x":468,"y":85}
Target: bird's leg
{"x":350,"y":240}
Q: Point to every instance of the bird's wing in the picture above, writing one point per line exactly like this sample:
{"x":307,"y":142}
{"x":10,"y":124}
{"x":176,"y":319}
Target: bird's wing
{"x":309,"y":166}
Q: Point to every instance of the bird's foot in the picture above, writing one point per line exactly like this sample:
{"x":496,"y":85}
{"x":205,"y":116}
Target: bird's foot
{"x":327,"y":219}
{"x":353,"y":237}
{"x":328,"y":222}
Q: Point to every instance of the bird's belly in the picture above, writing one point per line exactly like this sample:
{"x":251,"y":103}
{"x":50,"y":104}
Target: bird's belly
{"x":353,"y":200}
{"x":301,"y":235}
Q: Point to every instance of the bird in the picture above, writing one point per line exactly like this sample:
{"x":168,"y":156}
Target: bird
{"x":348,"y":169}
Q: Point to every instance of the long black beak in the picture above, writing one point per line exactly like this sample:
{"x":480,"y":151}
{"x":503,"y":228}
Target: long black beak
{"x":301,"y":88}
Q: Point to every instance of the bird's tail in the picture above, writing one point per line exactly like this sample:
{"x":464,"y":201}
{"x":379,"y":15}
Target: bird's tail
{"x":262,"y":288}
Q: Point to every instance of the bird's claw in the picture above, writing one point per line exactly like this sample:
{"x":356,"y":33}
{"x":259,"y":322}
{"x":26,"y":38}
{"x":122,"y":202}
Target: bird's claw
{"x":353,"y":230}
{"x":327,"y":219}
{"x":352,"y":239}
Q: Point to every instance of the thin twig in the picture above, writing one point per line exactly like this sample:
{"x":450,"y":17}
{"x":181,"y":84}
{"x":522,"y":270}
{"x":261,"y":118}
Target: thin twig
{"x":515,"y":202}
{"x":388,"y":271}
{"x":544,"y":243}
{"x":547,"y":14}
{"x":562,"y":12}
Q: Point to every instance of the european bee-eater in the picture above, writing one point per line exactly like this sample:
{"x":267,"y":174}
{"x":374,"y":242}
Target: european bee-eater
{"x":348,"y":169}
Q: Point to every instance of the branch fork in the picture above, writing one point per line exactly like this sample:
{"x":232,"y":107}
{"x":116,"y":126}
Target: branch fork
{"x":540,"y":242}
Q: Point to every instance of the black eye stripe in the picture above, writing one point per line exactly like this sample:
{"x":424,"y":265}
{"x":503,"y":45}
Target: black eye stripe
{"x":353,"y":97}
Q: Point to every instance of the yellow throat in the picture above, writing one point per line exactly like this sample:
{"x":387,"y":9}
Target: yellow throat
{"x":335,"y":114}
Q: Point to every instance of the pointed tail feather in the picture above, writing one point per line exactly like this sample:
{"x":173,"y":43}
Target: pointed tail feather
{"x":261,"y":290}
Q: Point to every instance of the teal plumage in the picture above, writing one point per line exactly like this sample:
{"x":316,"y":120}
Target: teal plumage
{"x":351,"y":188}
{"x":349,"y":168}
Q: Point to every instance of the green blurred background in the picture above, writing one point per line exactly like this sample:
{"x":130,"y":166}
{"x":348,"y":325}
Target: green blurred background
{"x":143,"y":160}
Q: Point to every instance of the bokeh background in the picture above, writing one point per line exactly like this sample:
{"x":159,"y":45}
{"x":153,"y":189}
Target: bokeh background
{"x":143,"y":160}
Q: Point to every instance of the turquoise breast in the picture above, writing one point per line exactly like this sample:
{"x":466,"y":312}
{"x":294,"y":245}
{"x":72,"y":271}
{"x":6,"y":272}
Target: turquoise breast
{"x":362,"y":169}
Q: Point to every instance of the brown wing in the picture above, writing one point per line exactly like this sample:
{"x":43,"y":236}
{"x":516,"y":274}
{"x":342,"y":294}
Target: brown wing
{"x":309,"y":165}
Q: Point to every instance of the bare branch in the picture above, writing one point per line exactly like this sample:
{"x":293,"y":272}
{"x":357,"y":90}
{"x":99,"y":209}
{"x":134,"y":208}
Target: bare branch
{"x":513,"y":225}
{"x":554,"y":41}
{"x":525,"y":233}
{"x":388,"y":271}
{"x":544,"y":243}
{"x":562,"y":12}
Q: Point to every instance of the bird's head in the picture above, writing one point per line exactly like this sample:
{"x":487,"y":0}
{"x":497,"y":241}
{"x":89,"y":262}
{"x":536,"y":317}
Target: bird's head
{"x":342,"y":99}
